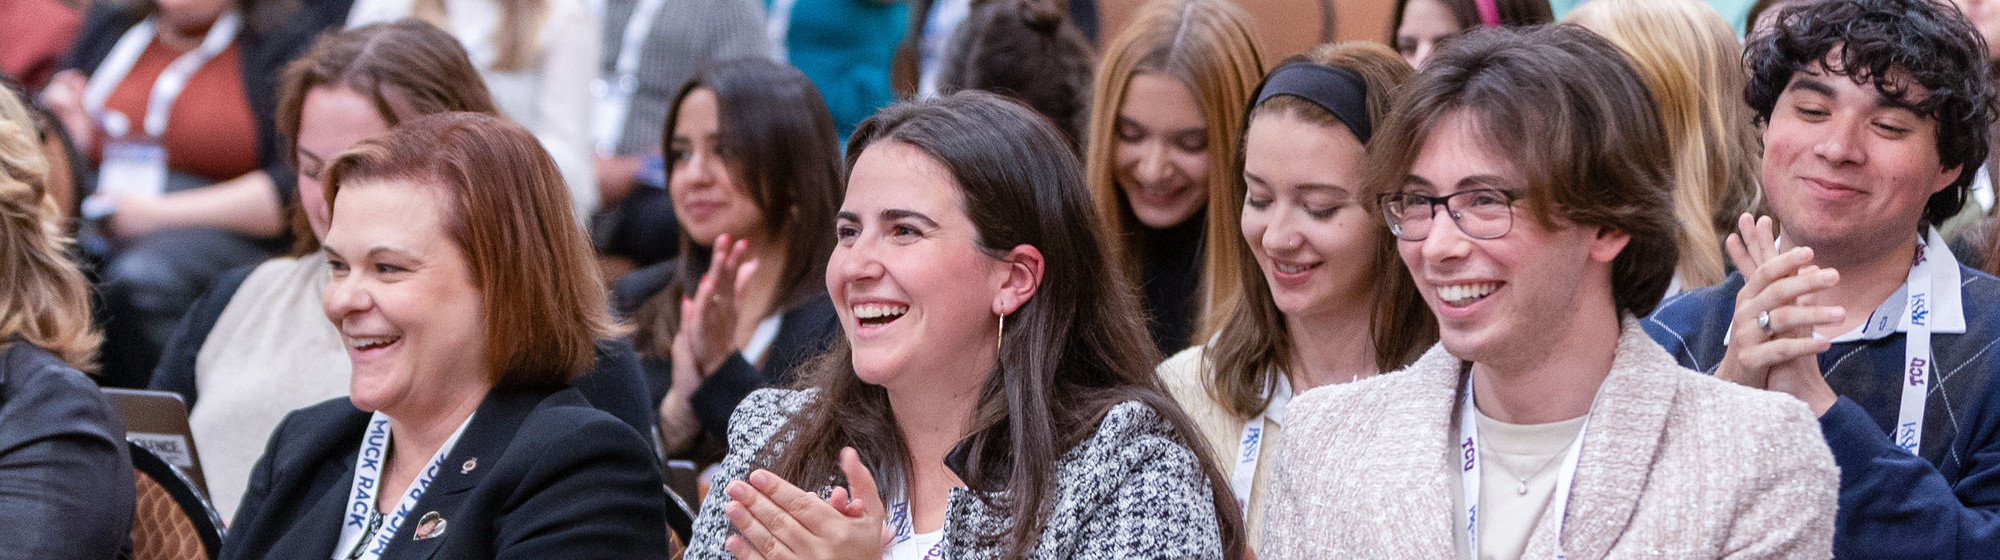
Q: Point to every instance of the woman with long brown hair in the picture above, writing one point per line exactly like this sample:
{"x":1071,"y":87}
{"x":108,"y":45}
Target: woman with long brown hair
{"x":994,"y":381}
{"x":754,"y":178}
{"x":1325,"y":298}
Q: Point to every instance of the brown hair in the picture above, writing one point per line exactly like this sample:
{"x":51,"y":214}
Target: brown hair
{"x":406,"y":67}
{"x":1073,"y":351}
{"x":1209,"y":46}
{"x":777,"y":137}
{"x":507,"y":208}
{"x":516,"y":39}
{"x":1693,"y":64}
{"x":1563,"y":104}
{"x":47,"y":300}
{"x":1253,"y":337}
{"x":1466,"y":13}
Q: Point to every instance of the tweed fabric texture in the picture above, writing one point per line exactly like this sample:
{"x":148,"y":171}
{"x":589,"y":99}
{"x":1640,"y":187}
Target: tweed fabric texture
{"x":1129,"y":491}
{"x":1674,"y":464}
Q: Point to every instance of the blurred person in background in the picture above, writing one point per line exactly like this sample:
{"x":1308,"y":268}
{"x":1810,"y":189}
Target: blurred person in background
{"x":173,"y":102}
{"x":1418,"y":28}
{"x":755,"y":181}
{"x":1166,"y":119}
{"x":1693,"y":65}
{"x":651,"y":48}
{"x":538,"y":58}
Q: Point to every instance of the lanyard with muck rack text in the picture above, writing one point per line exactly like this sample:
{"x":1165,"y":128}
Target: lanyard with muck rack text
{"x":356,"y":522}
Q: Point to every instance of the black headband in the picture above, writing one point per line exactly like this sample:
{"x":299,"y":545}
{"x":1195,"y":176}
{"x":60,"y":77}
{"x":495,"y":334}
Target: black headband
{"x":1338,"y":90}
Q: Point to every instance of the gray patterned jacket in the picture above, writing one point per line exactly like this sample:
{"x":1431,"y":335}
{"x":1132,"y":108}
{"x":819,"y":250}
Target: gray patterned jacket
{"x":1130,"y":491}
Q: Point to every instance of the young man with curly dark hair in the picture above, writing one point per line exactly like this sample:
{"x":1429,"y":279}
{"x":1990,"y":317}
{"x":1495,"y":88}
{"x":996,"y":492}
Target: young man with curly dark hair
{"x":1875,"y":115}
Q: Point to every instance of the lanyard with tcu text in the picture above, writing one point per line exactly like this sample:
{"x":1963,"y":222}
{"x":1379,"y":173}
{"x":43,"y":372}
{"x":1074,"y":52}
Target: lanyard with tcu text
{"x":1468,"y":445}
{"x":1250,"y":448}
{"x":368,"y":481}
{"x":1915,"y":375}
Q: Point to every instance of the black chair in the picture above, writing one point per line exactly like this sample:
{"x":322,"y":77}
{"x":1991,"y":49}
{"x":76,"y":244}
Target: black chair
{"x":172,"y":520}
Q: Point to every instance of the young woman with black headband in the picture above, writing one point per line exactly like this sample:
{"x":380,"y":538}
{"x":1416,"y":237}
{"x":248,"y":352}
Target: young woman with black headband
{"x":1302,"y":323}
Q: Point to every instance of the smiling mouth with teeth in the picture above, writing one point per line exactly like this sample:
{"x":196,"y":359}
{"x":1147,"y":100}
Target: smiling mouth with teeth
{"x":1460,"y":295}
{"x":875,"y":314}
{"x":1293,"y":269}
{"x":372,"y":342}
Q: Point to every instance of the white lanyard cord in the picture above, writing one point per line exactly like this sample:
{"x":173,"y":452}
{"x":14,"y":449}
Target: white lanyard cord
{"x":172,"y":81}
{"x":1916,"y":371}
{"x":1250,"y":447}
{"x":1468,"y":429}
{"x":368,"y":481}
{"x":615,"y":92}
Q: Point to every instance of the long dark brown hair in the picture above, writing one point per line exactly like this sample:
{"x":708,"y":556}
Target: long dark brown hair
{"x":778,"y":139}
{"x":1253,"y":337}
{"x":1071,"y":353}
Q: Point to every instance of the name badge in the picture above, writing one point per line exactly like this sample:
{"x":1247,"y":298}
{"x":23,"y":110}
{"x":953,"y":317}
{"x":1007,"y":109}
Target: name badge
{"x":130,"y":168}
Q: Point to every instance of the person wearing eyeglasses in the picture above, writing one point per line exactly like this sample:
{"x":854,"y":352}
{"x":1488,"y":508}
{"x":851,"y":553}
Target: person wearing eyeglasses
{"x":1529,"y":195}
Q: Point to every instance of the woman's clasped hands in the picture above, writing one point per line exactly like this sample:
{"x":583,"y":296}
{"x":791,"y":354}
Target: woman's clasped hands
{"x":775,"y":520}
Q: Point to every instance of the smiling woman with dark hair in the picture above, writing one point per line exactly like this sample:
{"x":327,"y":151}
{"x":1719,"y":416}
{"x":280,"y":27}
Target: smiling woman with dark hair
{"x":994,"y":383}
{"x":754,"y":175}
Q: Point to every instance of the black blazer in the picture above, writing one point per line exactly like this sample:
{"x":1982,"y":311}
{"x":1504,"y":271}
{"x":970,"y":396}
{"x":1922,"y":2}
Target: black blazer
{"x":550,"y":477}
{"x":63,"y":462}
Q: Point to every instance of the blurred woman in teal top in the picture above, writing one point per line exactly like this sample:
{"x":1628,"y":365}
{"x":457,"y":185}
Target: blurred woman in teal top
{"x":844,"y":46}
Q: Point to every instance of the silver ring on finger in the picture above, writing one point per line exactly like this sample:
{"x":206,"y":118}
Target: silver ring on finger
{"x":1764,"y":322}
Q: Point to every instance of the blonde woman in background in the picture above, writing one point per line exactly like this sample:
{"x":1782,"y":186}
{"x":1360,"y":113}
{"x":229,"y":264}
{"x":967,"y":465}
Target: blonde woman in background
{"x":1692,"y":64}
{"x":1169,"y":98}
{"x":1325,"y":298}
{"x":62,"y":456}
{"x":538,"y":58}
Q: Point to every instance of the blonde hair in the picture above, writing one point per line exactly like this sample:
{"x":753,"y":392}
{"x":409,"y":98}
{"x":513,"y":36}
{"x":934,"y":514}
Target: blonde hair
{"x":1209,"y":46}
{"x":1691,"y":61}
{"x":47,"y":301}
{"x":517,"y":39}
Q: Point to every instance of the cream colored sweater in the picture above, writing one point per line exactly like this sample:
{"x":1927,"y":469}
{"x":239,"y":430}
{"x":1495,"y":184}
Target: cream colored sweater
{"x":1675,"y":464}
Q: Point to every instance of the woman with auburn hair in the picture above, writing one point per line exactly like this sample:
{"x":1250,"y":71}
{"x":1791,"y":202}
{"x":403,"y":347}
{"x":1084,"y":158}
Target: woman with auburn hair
{"x":467,"y":300}
{"x":256,"y":346}
{"x":1303,"y":324}
{"x":755,"y":180}
{"x":994,"y":381}
{"x":62,"y":452}
{"x":1693,"y":64}
{"x":1167,"y":110}
{"x":1418,"y":28}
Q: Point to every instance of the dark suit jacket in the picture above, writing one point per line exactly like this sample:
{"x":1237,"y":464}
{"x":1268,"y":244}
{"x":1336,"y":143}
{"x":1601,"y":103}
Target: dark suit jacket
{"x":551,"y":478}
{"x":65,"y":476}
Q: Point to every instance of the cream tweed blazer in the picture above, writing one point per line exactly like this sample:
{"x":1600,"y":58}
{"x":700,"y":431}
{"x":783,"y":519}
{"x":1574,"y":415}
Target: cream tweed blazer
{"x":1675,"y":464}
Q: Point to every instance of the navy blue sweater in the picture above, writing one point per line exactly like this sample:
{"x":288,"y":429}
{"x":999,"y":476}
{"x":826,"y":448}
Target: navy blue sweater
{"x":1944,"y":504}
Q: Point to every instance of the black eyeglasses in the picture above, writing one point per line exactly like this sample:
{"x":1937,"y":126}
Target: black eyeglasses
{"x":1480,"y":213}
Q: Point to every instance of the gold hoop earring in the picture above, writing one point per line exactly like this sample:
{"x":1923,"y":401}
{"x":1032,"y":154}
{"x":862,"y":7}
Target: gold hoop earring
{"x":1002,"y":335}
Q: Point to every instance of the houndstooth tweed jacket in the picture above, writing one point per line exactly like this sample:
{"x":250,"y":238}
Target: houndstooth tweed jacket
{"x":1675,"y":464}
{"x":1130,"y":491}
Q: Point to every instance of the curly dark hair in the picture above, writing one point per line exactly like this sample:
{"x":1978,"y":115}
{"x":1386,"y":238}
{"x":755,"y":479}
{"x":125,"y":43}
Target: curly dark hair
{"x":1880,"y":41}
